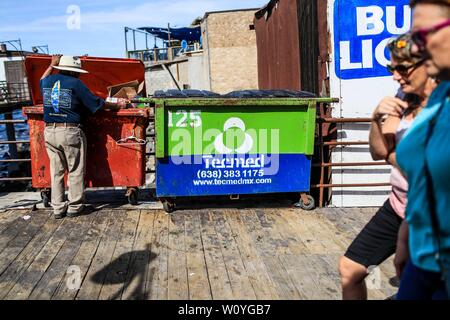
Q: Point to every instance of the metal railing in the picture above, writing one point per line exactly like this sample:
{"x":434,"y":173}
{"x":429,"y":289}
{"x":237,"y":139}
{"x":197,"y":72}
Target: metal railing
{"x":159,"y":54}
{"x":12,"y":97}
{"x":326,"y":142}
{"x":14,"y":93}
{"x":13,"y":152}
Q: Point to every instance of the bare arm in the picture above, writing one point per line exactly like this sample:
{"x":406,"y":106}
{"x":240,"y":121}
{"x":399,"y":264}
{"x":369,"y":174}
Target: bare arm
{"x":382,"y":137}
{"x":402,"y":252}
{"x":382,"y":134}
{"x":55,"y":62}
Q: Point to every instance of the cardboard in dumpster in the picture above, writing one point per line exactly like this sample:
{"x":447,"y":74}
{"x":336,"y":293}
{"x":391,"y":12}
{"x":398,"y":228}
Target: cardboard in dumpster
{"x":127,"y":90}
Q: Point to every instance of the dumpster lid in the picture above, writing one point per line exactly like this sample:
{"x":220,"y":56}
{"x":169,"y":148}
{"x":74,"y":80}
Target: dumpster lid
{"x":103,"y":73}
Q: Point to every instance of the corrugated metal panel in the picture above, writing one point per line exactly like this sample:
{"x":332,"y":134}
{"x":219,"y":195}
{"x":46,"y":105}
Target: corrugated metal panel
{"x":278,"y":45}
{"x":324,"y":47}
{"x":309,"y":44}
{"x":292,"y":40}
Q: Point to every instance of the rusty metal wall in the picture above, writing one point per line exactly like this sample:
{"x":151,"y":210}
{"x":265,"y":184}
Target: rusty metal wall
{"x":324,"y":47}
{"x":293,"y":43}
{"x":309,"y":44}
{"x":277,"y":36}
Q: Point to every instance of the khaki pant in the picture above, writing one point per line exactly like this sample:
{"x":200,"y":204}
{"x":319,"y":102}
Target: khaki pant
{"x":66,"y":148}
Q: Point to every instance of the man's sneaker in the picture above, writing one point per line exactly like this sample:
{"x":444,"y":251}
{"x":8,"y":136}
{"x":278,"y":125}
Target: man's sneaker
{"x":86,"y":210}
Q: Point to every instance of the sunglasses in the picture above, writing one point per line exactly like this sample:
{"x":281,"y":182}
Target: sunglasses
{"x":404,"y":70}
{"x":419,"y":37}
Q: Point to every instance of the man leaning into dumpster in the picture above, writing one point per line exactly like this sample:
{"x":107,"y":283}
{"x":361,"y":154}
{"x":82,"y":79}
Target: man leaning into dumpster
{"x":67,"y":101}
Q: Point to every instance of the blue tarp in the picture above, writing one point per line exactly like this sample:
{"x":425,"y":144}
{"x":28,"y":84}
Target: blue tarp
{"x":188,"y":34}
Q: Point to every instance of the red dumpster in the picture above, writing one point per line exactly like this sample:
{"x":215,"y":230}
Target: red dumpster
{"x":115,"y":139}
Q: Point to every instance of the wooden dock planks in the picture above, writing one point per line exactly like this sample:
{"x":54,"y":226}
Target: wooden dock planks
{"x":99,"y":267}
{"x":116,"y":274}
{"x":56,"y":271}
{"x":84,"y":256}
{"x":197,"y":272}
{"x":134,"y":288}
{"x":260,"y":253}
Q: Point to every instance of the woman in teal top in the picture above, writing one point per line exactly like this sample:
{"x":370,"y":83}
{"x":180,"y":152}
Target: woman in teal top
{"x":426,"y":146}
{"x":424,"y":157}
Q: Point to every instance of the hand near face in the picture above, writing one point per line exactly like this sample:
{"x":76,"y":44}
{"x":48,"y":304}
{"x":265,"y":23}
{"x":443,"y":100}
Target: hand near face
{"x":390,"y":106}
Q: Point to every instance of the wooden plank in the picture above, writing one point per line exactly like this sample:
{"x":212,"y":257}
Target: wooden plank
{"x":267,"y":240}
{"x":349,"y":221}
{"x":218,"y":275}
{"x":7,"y":218}
{"x":49,"y":282}
{"x":303,"y":224}
{"x":135,"y":285}
{"x":26,"y":231}
{"x":258,"y":274}
{"x":198,"y":282}
{"x":270,"y":245}
{"x":177,"y":282}
{"x":296,"y":231}
{"x":84,"y":255}
{"x":327,"y":234}
{"x":24,"y":286}
{"x":284,"y":230}
{"x":156,"y":280}
{"x":239,"y":277}
{"x":303,"y":275}
{"x":14,"y":271}
{"x":116,"y":276}
{"x":328,"y":278}
{"x":12,"y":229}
{"x":96,"y":274}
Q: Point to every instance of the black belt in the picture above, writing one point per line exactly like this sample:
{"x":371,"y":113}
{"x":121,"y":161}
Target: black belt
{"x":67,"y":125}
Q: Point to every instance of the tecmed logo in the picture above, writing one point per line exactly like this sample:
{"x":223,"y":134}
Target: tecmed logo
{"x":245,"y":146}
{"x":362,"y":30}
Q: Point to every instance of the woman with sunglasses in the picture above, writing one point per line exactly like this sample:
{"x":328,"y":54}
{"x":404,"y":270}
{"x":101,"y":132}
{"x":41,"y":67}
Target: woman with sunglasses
{"x":390,"y":120}
{"x":424,"y":156}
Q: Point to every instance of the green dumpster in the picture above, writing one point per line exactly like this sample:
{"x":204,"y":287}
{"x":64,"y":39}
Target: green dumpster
{"x":230,"y":146}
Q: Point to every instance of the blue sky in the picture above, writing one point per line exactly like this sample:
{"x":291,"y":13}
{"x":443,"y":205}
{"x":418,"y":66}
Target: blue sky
{"x":100,"y":33}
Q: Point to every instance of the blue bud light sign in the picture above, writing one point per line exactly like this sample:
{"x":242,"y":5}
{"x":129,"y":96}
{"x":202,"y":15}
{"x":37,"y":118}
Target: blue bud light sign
{"x":362,"y":29}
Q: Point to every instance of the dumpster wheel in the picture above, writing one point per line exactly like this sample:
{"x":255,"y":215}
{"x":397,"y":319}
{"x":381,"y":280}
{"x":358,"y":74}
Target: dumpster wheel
{"x":132,"y":196}
{"x":310,"y":205}
{"x":168,"y":207}
{"x":45,"y":196}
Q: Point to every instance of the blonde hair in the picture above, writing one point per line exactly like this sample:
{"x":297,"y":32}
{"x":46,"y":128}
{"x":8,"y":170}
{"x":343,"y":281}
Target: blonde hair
{"x":400,"y":49}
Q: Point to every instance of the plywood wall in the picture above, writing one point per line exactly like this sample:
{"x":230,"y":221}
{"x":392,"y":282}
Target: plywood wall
{"x":230,"y":51}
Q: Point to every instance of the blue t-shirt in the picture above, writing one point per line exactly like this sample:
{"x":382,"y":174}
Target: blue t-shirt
{"x":412,"y":151}
{"x":67,"y":99}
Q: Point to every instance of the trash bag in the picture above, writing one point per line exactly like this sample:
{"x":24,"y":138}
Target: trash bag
{"x":185,"y":94}
{"x":269,"y":94}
